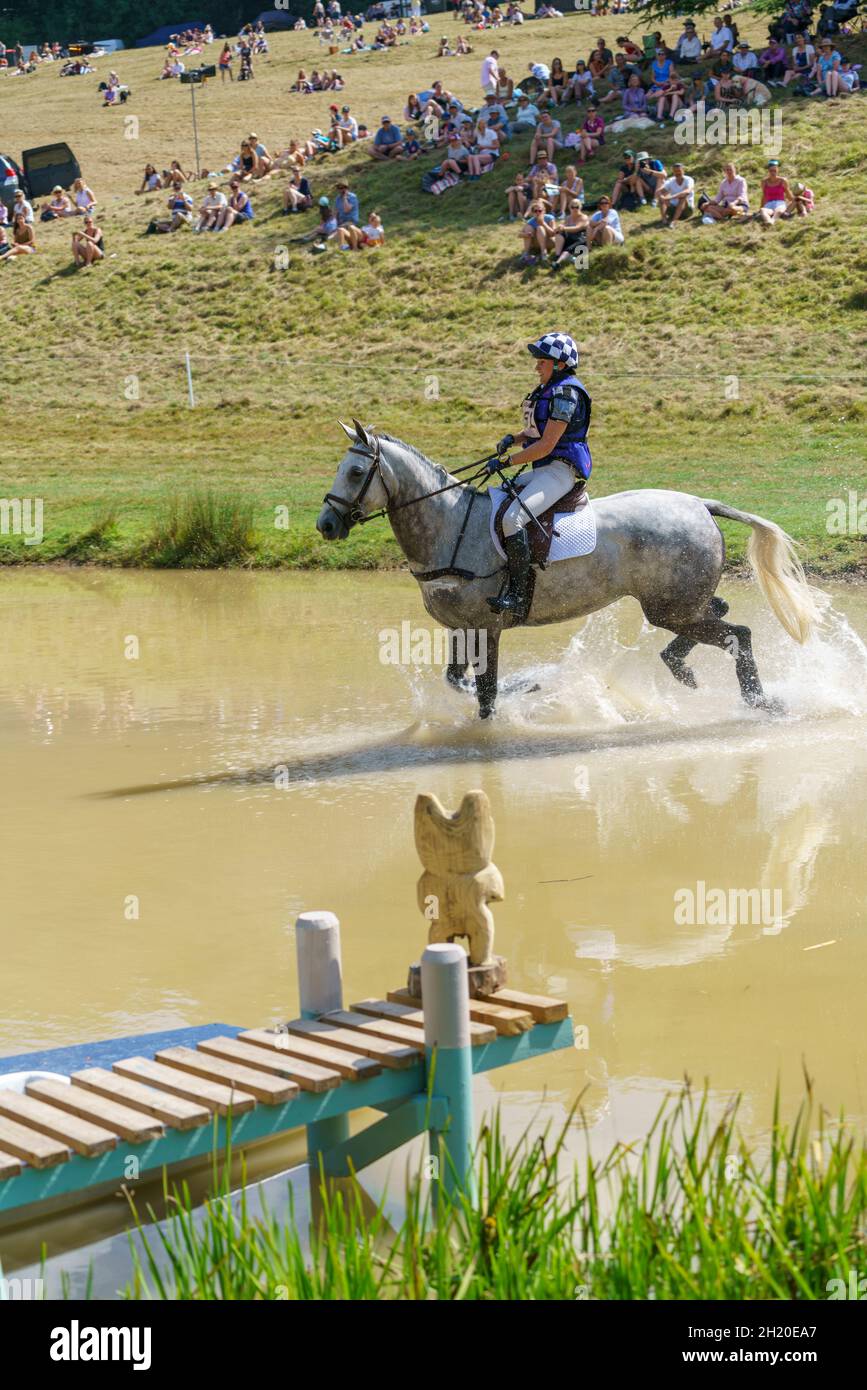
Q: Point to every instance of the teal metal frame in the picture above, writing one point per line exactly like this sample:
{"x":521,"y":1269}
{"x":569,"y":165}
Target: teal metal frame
{"x":402,"y":1095}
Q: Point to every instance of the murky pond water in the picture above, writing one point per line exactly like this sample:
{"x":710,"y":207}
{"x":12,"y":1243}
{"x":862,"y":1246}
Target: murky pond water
{"x":622,"y":803}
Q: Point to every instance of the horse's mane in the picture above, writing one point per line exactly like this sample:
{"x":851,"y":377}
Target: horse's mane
{"x":442,"y":473}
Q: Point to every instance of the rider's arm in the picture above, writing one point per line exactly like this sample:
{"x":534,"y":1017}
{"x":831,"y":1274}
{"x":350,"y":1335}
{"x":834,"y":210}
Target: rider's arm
{"x":540,"y":448}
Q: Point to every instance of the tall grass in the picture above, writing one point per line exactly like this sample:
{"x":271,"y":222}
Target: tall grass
{"x":694,"y":1213}
{"x":201,"y":530}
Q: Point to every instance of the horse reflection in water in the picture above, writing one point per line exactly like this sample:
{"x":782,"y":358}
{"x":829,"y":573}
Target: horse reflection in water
{"x":662,"y":548}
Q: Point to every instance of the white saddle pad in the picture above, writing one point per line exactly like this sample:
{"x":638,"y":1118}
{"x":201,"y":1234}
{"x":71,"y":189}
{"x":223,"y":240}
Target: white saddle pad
{"x":575,"y":531}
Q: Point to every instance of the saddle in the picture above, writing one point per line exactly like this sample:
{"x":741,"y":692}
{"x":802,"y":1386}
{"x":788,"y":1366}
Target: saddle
{"x":571,"y":501}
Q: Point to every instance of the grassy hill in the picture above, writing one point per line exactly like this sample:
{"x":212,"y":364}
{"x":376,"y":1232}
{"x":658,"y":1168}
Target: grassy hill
{"x":425,"y":338}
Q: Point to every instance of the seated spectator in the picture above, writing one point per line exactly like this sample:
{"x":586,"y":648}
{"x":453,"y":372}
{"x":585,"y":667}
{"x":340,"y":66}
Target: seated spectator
{"x":21,"y":207}
{"x":444,"y":51}
{"x":571,"y":190}
{"x":600,"y":60}
{"x":570,"y":234}
{"x":180,"y":206}
{"x":732,"y":199}
{"x":456,"y":157}
{"x":411,"y":144}
{"x":801,"y":60}
{"x":88,"y":246}
{"x":722,"y":70}
{"x":557,"y":87}
{"x":605,"y":228}
{"x":238,"y":208}
{"x":548,"y":137}
{"x":618,"y":76}
{"x":346,"y":210}
{"x":151,"y":180}
{"x":801,"y":201}
{"x":722,"y":39}
{"x":592,"y":134}
{"x":826,"y":69}
{"x":527,"y":114}
{"x":776,"y":195}
{"x":538,"y":232}
{"x":484,"y":150}
{"x":651,"y":176}
{"x":773,"y":61}
{"x":505,"y":87}
{"x":496,"y":114}
{"x":346,"y":127}
{"x":296,"y":195}
{"x":414,"y":110}
{"x":628,"y":191}
{"x":387,"y":141}
{"x":23,"y":236}
{"x":828,"y":24}
{"x":326,"y":228}
{"x":60,"y":205}
{"x":676,"y":196}
{"x":520,"y":194}
{"x":631,"y":50}
{"x":744,"y":61}
{"x":175,"y":174}
{"x":850,"y":80}
{"x":666,"y":89}
{"x":688,"y":47}
{"x":581,"y":83}
{"x":210,"y":208}
{"x":634,"y":98}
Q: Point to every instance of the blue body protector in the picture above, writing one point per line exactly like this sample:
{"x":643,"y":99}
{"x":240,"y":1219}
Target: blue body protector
{"x":572,"y":444}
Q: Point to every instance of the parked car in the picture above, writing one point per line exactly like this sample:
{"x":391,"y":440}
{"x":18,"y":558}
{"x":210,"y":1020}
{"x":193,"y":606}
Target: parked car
{"x":38,"y":172}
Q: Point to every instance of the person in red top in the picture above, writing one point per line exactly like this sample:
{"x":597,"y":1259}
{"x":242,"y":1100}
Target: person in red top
{"x":776,"y":194}
{"x":632,"y":50}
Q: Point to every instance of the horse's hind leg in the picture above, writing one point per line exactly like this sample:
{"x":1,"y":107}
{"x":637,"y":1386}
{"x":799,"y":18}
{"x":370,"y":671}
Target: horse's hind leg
{"x":675,"y":654}
{"x":456,"y":675}
{"x":737,"y":640}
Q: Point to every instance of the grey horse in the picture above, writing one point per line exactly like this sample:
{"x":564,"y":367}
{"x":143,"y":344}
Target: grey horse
{"x":660,"y":547}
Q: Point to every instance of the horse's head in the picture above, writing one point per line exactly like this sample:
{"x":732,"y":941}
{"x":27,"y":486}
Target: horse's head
{"x":360,"y":487}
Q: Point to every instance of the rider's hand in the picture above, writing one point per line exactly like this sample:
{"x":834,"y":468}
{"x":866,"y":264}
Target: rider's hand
{"x":505,"y":443}
{"x":493,"y":464}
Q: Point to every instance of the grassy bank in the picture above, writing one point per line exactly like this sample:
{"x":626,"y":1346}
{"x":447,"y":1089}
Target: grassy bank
{"x":726,"y":361}
{"x":696,"y":1213}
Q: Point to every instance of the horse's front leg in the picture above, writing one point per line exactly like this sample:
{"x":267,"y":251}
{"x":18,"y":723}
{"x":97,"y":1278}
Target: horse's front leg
{"x":484,"y":661}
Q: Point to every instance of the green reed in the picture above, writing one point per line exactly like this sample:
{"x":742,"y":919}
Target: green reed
{"x":692,"y":1211}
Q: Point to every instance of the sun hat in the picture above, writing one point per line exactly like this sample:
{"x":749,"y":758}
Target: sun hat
{"x":324,"y":202}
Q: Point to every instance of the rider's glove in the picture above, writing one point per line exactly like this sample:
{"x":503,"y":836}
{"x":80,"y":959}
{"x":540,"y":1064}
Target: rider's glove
{"x":493,"y":464}
{"x":505,"y":443}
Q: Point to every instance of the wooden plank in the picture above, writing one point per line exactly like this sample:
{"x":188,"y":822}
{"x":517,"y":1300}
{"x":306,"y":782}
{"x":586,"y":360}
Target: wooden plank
{"x":389,"y":1054}
{"x":351,"y":1066}
{"x":308,"y":1075}
{"x":387,"y":1028}
{"x":9,"y":1166}
{"x":269,"y":1089}
{"x":211,"y":1094}
{"x":171,"y":1110}
{"x":540,"y":1008}
{"x":414,"y":1018}
{"x":82,"y":1136}
{"x":506,"y":1021}
{"x":122,"y":1120}
{"x":36,"y":1149}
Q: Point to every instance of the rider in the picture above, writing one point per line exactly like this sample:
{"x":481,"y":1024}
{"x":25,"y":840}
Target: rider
{"x":556,"y":420}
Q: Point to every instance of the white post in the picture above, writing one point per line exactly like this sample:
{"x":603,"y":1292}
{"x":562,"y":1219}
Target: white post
{"x":320,"y":989}
{"x":320,"y":973}
{"x":445,"y":992}
{"x":190,"y":381}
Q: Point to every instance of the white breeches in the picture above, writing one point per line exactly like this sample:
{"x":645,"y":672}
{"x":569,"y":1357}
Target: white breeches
{"x":542,"y":487}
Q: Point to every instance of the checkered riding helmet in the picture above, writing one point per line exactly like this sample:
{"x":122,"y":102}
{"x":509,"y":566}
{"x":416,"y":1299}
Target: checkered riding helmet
{"x":559,"y":347}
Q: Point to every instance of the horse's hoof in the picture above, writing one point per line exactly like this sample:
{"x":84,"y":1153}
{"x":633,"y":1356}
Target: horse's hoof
{"x":680,"y":671}
{"x":771,"y":705}
{"x":462,"y":685}
{"x":485,"y":711}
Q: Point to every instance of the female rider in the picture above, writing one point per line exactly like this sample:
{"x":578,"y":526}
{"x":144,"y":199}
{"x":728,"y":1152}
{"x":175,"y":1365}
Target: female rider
{"x":554,"y":440}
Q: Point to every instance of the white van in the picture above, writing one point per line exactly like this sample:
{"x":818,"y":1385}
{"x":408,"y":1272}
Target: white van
{"x":108,"y":45}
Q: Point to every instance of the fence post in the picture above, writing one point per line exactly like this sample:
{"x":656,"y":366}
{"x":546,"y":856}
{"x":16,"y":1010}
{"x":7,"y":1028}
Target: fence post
{"x":320,"y":987}
{"x":447,"y":1029}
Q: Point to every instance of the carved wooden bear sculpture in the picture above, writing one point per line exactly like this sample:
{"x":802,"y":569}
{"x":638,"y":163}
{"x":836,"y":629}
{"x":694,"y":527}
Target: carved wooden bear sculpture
{"x":459,"y":879}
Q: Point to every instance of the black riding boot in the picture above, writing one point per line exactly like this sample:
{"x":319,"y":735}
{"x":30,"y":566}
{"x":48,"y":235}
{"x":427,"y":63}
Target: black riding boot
{"x":516,"y":599}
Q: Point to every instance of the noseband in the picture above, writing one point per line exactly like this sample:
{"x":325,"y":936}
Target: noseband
{"x":352,"y":515}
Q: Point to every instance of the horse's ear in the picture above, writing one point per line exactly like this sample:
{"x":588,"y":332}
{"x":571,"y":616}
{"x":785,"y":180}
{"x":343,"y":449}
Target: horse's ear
{"x":361,"y":434}
{"x":350,"y":433}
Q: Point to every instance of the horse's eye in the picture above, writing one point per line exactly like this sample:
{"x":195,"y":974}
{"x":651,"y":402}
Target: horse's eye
{"x":356,"y":471}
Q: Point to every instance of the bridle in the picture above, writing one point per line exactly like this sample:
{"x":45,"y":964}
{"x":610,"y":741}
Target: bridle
{"x":353,"y":515}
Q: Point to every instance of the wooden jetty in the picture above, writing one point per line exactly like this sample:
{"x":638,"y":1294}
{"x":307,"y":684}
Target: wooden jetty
{"x":77,"y":1122}
{"x":74,"y":1135}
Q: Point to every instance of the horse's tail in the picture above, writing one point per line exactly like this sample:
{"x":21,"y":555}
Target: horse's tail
{"x":774,"y":561}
